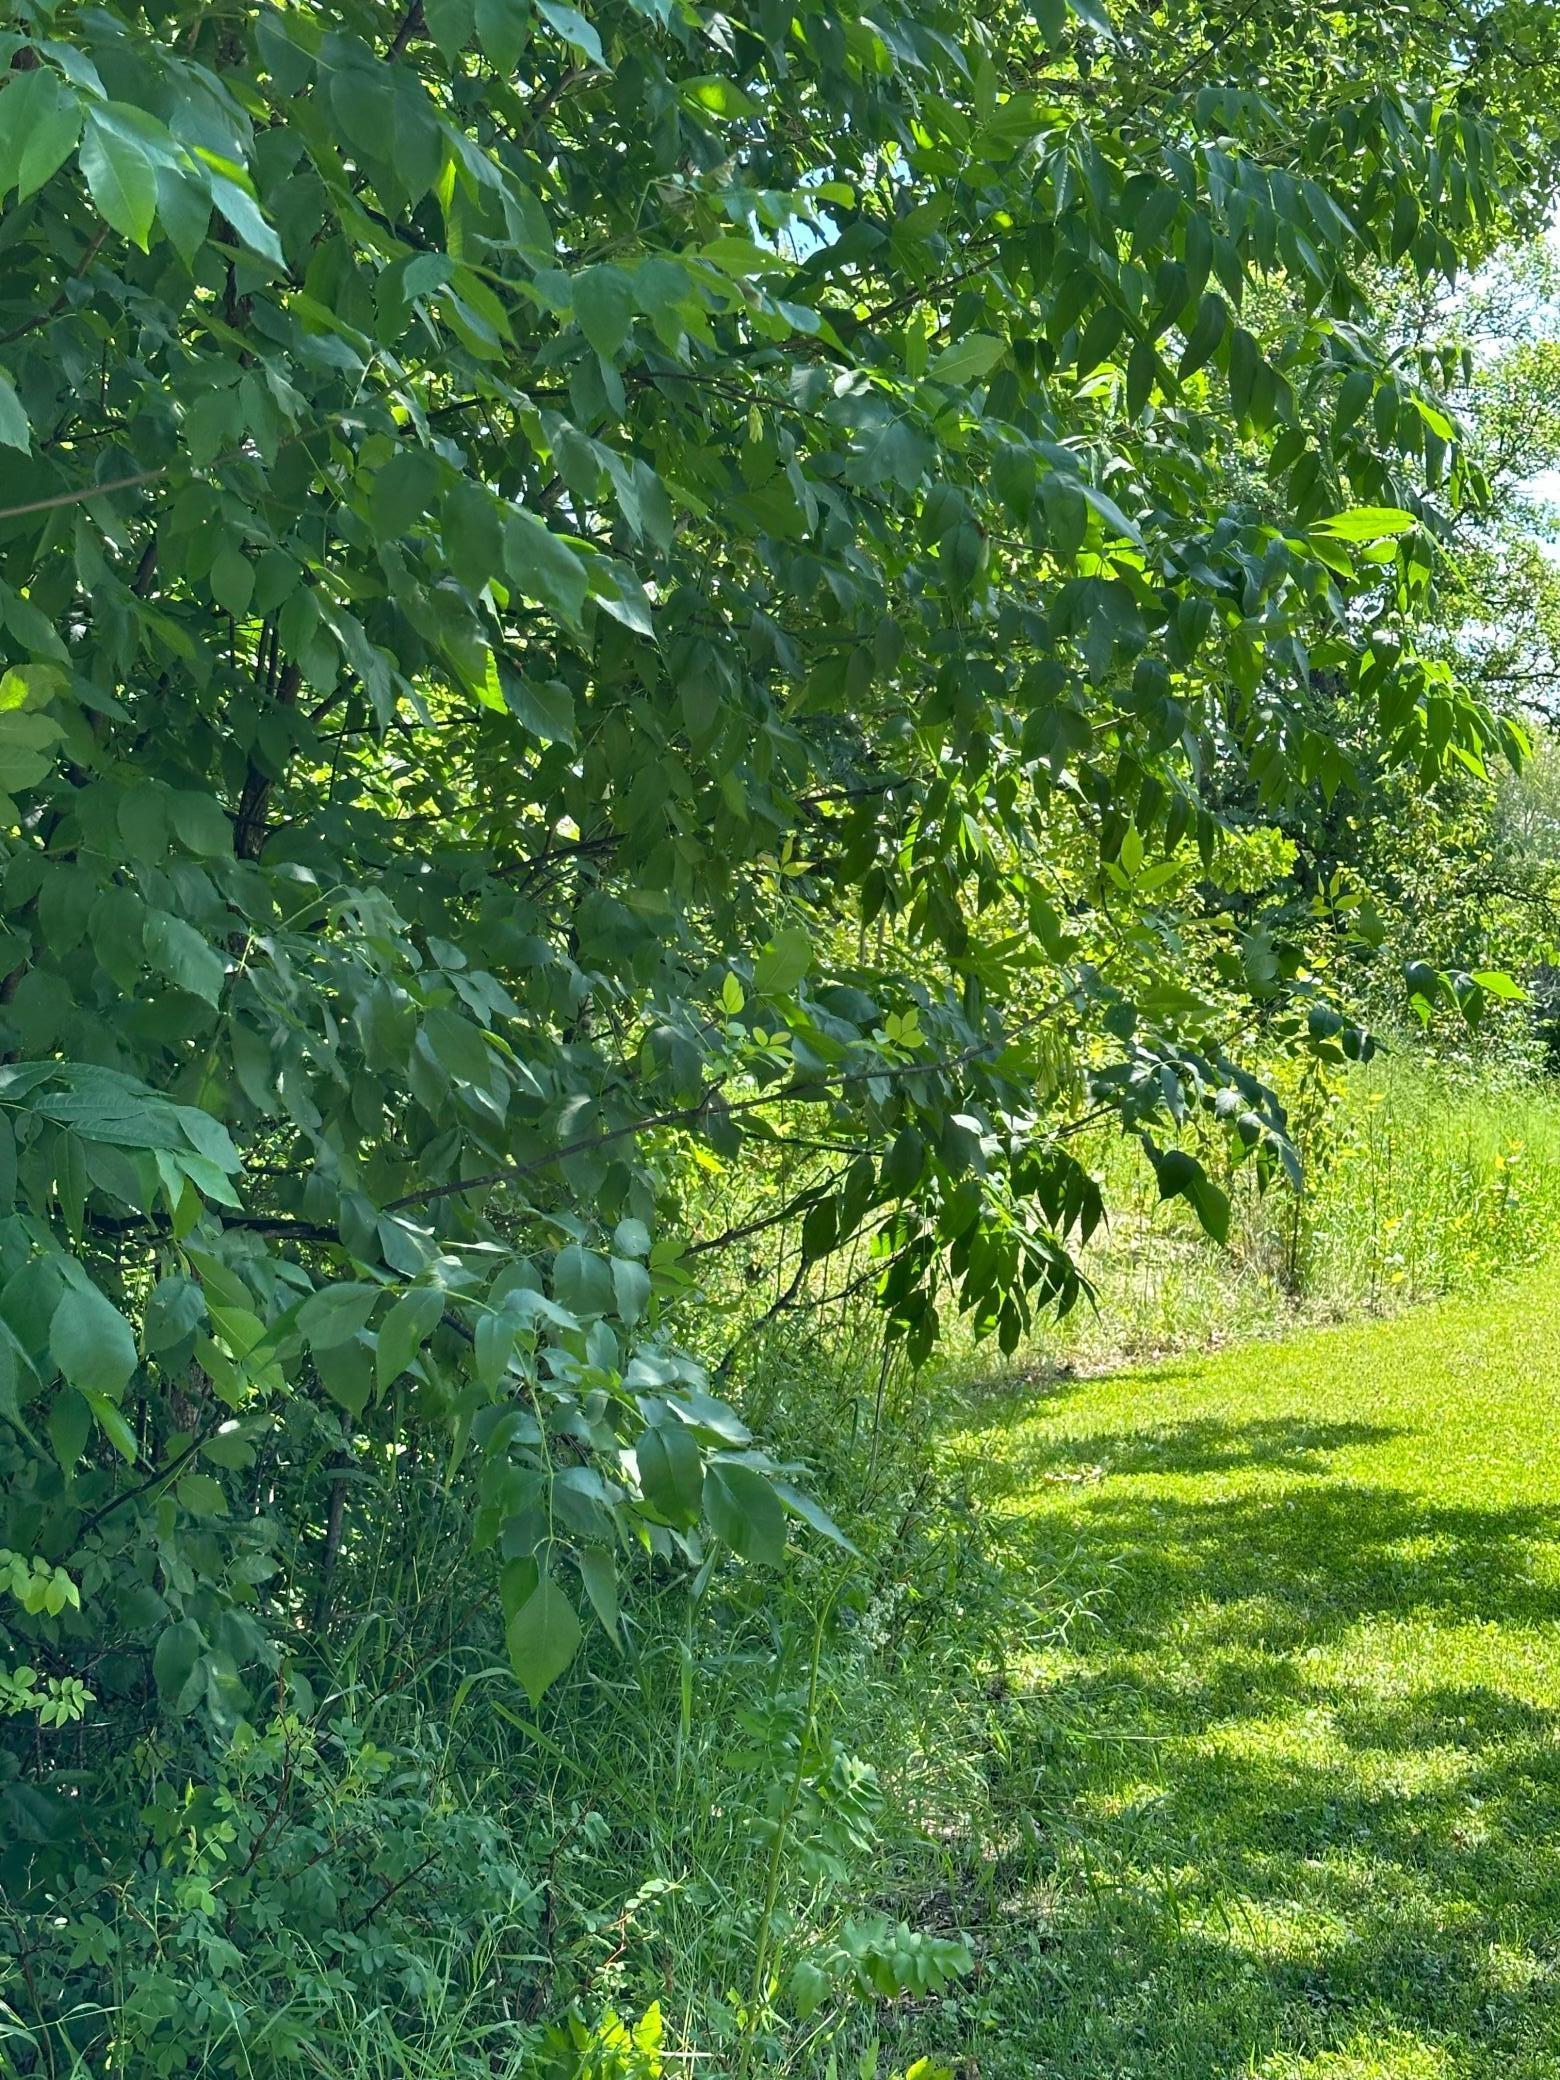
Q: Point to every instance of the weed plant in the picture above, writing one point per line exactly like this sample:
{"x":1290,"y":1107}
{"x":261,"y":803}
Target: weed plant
{"x":732,"y":1843}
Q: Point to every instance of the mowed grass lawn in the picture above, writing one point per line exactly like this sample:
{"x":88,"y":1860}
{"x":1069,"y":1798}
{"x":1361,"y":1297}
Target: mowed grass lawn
{"x":1284,"y":1803}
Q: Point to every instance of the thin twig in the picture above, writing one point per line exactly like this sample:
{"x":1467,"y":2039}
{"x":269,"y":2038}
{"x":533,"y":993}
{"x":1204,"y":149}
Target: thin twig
{"x":411,"y":25}
{"x":75,"y":498}
{"x":390,"y":1892}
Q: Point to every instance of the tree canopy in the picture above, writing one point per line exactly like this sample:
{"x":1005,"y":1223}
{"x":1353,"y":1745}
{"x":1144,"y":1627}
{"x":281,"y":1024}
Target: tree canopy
{"x":589,"y":594}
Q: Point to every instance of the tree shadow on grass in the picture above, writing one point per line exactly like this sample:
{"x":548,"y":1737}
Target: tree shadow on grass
{"x":1256,"y":1856}
{"x":1204,"y":1444}
{"x":1306,"y":1564}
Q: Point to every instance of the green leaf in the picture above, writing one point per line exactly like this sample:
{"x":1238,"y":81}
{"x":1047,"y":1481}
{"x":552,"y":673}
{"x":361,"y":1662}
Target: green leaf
{"x":572,"y":26}
{"x":176,"y":1309}
{"x":1365,"y":524}
{"x":1205,"y":335}
{"x":184,"y":211}
{"x":967,"y":360}
{"x":543,"y":1637}
{"x":69,"y":1426}
{"x":174,"y":1657}
{"x":473,"y":533}
{"x":671,"y":1472}
{"x":703,"y":1412}
{"x":1100,"y":335}
{"x":405,"y":1329}
{"x":201,"y":824}
{"x":543,"y":566}
{"x":450,"y":24}
{"x":503,"y":27}
{"x":631,"y":1288}
{"x":121,"y":180}
{"x":783,"y":963}
{"x":738,"y":256}
{"x":546,"y":707}
{"x":1358,"y":386}
{"x":346,"y":1373}
{"x":233,"y":580}
{"x":810,"y":1985}
{"x":14,"y":429}
{"x":1245,"y":360}
{"x":243,"y":213}
{"x":1495,"y":983}
{"x":91,"y":1342}
{"x":743,"y":1508}
{"x":1423,"y":981}
{"x":403,"y":491}
{"x":598,"y":1571}
{"x":721,"y":97}
{"x":800,"y":1504}
{"x":230,"y":1449}
{"x":1115,"y":519}
{"x":177,"y":950}
{"x":494,"y":1345}
{"x":582,"y":1281}
{"x":111,"y":1421}
{"x":202,"y":1495}
{"x":1182,"y":1176}
{"x":40,"y":121}
{"x":621,"y":595}
{"x":604,"y":305}
{"x":335,"y":1313}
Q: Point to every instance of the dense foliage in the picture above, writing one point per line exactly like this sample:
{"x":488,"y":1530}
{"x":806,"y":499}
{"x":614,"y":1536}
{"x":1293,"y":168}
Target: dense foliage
{"x":586,"y":601}
{"x":1458,"y":876}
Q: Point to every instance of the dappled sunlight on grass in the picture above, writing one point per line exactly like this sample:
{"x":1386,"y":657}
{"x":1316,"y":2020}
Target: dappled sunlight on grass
{"x":1388,"y":2055}
{"x":1294,"y":1780}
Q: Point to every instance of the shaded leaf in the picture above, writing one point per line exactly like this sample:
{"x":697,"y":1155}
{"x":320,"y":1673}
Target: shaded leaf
{"x":121,"y":180}
{"x":744,"y":1509}
{"x":543,"y":1637}
{"x":91,"y":1342}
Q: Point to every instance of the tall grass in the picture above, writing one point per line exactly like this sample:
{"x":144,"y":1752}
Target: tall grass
{"x":729,"y":1847}
{"x":1424,"y":1177}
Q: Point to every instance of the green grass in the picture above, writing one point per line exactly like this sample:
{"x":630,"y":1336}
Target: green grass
{"x":1285,"y":1802}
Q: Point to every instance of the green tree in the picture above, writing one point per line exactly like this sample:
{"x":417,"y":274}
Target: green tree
{"x":576,"y":589}
{"x":1456,"y":868}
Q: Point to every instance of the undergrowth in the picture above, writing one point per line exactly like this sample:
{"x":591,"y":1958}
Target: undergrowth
{"x":736,"y":1840}
{"x":785,"y":1827}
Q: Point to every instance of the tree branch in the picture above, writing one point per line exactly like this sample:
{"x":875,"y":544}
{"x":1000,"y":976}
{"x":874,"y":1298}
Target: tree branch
{"x":411,"y":25}
{"x":689,"y":1115}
